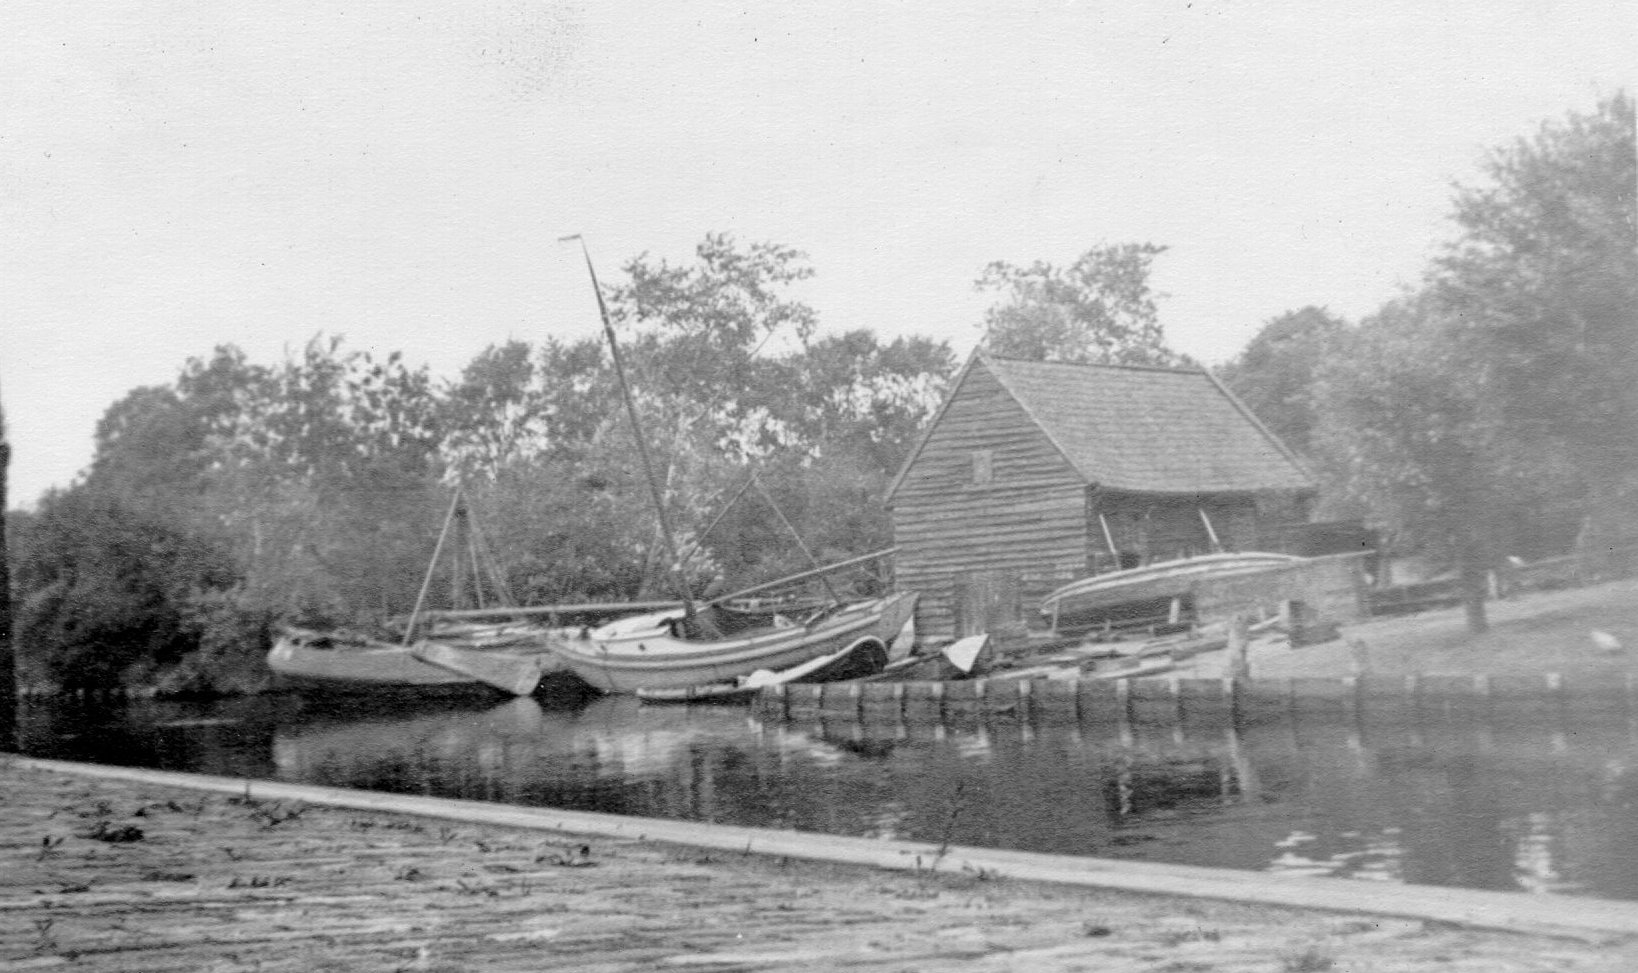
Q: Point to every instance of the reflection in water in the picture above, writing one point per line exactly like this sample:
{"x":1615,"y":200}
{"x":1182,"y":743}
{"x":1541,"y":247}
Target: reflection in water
{"x":1492,"y":805}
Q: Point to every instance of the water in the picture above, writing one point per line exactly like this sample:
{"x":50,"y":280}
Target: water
{"x":1545,"y":805}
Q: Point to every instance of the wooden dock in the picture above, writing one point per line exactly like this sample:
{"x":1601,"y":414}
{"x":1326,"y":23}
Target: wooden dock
{"x":106,"y":868}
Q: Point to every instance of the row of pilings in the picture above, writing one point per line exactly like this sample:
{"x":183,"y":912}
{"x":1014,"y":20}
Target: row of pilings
{"x":1204,"y":703}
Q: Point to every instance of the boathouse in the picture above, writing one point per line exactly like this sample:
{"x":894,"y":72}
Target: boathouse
{"x":1032,"y":474}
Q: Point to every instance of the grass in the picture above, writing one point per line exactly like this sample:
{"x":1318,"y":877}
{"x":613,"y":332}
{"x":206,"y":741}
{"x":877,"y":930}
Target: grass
{"x":1531,"y":633}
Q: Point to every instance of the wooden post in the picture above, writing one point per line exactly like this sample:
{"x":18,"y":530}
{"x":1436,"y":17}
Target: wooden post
{"x":8,"y":660}
{"x":1216,"y":544}
{"x":1239,"y":664}
{"x":1123,"y":708}
{"x":1359,"y":657}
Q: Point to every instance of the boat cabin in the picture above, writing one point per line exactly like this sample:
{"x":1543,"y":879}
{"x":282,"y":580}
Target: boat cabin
{"x":1033,"y":474}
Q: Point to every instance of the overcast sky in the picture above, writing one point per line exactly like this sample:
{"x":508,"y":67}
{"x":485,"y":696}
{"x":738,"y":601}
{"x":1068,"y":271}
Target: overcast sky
{"x":179,"y":175}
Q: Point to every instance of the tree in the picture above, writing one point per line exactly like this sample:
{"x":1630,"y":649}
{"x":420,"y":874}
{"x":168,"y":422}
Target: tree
{"x":1098,"y":309}
{"x":157,"y":442}
{"x":8,"y":658}
{"x":1541,"y":286}
{"x":327,"y":480}
{"x":707,"y":321}
{"x":1274,"y":375}
{"x":105,"y":587}
{"x":1403,"y":418}
{"x":853,"y":391}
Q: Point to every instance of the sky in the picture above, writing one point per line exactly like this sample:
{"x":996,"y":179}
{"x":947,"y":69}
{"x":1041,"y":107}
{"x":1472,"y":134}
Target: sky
{"x":183,"y":175}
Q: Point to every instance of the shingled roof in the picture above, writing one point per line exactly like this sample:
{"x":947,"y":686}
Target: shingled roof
{"x":1149,"y":430}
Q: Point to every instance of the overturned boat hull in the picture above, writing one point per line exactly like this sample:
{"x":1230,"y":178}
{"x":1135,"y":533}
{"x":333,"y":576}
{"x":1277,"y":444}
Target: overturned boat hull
{"x":1153,"y":582}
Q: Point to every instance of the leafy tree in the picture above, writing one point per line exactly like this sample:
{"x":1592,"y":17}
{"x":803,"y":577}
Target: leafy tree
{"x":1098,"y":309}
{"x":156,"y":443}
{"x":1541,"y":286}
{"x":105,"y":587}
{"x":1404,"y":421}
{"x":708,"y":320}
{"x":1274,"y":375}
{"x":326,"y":477}
{"x":852,"y":391}
{"x":714,"y":406}
{"x":7,"y":652}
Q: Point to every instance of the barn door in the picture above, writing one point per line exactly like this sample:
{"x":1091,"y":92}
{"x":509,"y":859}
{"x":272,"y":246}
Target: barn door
{"x":987,"y":601}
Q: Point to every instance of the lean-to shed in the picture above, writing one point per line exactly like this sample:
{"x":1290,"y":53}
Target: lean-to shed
{"x":1032,"y":474}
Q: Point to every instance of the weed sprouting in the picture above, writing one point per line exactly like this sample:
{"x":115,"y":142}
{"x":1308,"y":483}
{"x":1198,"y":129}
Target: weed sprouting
{"x":1313,"y":958}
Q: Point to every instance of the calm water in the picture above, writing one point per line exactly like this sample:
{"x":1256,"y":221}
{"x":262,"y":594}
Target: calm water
{"x":1543,"y":807}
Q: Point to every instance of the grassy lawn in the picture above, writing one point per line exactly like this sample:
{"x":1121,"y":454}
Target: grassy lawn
{"x":1536,"y":632}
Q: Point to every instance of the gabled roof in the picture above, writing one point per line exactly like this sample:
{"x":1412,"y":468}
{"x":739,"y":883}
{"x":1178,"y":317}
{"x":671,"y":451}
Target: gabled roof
{"x":1140,"y":429}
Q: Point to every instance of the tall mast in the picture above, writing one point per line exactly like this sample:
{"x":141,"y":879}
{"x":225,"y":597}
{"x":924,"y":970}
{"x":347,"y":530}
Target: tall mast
{"x":637,"y":431}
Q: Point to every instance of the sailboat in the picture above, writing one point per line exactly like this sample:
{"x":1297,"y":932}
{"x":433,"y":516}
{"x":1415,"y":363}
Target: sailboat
{"x":342,"y":661}
{"x":714,"y":642}
{"x":510,"y":653}
{"x":718,"y":644}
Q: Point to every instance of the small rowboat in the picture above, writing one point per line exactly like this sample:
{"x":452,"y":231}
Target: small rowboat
{"x":670,"y":650}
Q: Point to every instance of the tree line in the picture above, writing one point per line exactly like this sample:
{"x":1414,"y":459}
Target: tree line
{"x":1488,"y":411}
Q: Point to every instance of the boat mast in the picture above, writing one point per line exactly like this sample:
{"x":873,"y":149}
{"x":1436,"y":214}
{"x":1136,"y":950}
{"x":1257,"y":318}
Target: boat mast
{"x":432,"y":567}
{"x":637,"y":430}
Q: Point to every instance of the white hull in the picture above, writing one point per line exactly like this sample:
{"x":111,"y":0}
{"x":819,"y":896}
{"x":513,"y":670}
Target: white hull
{"x":642,"y":653}
{"x":1165,"y":579}
{"x":328,"y":663}
{"x":511,"y":659}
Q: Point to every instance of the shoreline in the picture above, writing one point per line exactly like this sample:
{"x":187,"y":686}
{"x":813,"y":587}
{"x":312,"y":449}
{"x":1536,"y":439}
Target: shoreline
{"x":129,"y":873}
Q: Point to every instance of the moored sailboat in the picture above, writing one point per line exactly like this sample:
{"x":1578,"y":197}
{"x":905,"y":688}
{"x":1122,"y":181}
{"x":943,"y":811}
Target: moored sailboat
{"x":713,"y":643}
{"x":720,"y":645}
{"x":507,"y":653}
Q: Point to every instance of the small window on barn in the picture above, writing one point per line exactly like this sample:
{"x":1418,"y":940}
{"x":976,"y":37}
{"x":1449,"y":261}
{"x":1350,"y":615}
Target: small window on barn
{"x":983,"y":466}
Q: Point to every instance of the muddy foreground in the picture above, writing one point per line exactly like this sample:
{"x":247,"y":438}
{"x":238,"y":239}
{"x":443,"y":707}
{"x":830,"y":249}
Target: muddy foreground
{"x":106,"y":875}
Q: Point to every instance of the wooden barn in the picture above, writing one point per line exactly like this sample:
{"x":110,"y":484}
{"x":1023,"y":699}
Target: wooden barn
{"x":1032,"y":474}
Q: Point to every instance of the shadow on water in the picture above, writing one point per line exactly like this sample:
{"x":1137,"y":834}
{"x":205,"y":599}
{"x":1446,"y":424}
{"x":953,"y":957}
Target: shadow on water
{"x":1525,"y":804}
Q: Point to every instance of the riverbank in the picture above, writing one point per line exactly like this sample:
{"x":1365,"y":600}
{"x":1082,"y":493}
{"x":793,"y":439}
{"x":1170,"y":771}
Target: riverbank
{"x":1530,"y":634}
{"x":102,"y":874}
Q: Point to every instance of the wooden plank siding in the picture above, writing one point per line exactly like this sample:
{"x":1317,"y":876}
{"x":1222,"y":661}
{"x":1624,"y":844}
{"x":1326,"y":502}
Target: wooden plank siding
{"x":1027,"y":524}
